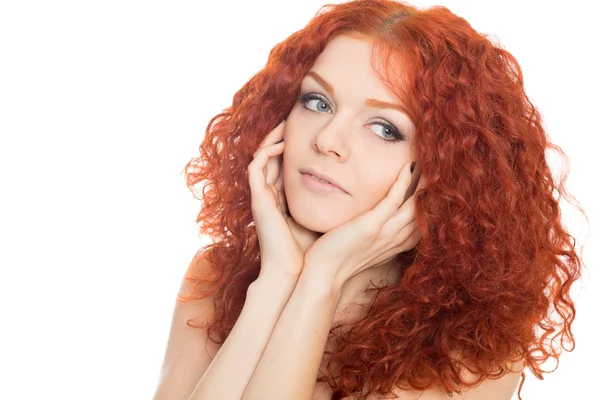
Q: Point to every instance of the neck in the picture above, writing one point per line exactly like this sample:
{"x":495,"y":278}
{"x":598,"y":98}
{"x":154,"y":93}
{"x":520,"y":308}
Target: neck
{"x":354,"y":295}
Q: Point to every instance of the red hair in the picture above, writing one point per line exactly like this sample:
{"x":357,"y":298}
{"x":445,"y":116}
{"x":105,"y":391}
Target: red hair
{"x":494,"y":264}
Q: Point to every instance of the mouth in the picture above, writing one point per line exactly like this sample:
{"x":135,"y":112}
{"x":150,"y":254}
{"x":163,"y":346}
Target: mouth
{"x":320,"y":182}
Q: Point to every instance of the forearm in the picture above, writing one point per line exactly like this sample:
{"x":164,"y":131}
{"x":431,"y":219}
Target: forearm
{"x":290,"y":363}
{"x":228,"y":374}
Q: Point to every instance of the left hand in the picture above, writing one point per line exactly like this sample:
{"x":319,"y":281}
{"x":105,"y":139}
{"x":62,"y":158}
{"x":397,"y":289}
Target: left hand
{"x":373,"y":237}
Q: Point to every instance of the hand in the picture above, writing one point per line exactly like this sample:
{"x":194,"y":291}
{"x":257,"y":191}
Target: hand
{"x":372,"y":238}
{"x":282,"y":241}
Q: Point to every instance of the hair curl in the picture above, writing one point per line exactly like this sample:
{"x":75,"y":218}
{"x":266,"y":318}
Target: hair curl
{"x":494,"y":263}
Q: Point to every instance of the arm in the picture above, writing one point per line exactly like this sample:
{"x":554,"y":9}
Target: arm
{"x":188,"y":352}
{"x":291,"y":359}
{"x":229,"y":372}
{"x":290,"y":362}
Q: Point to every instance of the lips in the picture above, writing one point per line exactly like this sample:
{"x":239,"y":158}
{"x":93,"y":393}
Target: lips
{"x":322,"y":176}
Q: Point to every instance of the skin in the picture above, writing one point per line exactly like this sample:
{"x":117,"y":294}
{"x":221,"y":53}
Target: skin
{"x":341,"y":136}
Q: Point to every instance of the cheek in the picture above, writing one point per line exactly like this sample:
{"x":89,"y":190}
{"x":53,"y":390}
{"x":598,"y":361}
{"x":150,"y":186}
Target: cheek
{"x":290,"y":134}
{"x":375,"y":193}
{"x":286,"y":130}
{"x":376,"y":185}
{"x":297,"y":127}
{"x":291,"y":160}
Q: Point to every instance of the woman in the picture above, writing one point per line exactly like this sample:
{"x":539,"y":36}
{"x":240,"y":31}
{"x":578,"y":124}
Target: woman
{"x":428,"y":262}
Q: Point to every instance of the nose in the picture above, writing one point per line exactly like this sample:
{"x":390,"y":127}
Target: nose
{"x":333,"y":140}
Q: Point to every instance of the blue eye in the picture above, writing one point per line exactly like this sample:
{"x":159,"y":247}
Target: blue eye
{"x":304,"y":99}
{"x":389,"y":134}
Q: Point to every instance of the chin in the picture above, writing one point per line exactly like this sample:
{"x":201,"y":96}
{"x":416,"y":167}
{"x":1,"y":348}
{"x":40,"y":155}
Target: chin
{"x":310,"y":210}
{"x":320,"y":220}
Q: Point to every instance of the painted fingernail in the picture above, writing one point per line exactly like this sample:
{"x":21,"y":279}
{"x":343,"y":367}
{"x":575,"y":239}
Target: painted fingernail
{"x":412,"y":166}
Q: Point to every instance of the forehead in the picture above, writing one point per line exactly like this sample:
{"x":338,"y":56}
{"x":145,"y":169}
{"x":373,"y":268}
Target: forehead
{"x":345,"y":71}
{"x":349,"y":43}
{"x":345,"y":63}
{"x":345,"y":52}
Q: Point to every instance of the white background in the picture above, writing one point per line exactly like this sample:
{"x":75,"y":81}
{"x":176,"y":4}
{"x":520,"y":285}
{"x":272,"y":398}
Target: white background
{"x":101,"y":106}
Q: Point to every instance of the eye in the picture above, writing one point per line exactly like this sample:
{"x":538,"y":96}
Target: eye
{"x":320,"y":102}
{"x":389,"y":133}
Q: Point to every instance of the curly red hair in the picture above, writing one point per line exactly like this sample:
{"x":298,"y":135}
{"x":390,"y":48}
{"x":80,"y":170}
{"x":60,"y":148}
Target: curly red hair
{"x":494,"y":263}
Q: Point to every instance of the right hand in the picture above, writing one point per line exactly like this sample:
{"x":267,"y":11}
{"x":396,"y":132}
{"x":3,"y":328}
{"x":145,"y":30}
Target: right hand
{"x":282,"y":240}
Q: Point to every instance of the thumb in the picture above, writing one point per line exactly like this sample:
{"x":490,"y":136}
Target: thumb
{"x":281,"y":200}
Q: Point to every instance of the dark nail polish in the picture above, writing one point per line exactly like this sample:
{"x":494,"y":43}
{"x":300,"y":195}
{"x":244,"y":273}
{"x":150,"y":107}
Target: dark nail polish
{"x":412,"y":166}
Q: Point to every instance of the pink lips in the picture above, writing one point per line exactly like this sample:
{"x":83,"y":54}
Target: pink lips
{"x":319,"y":186}
{"x":329,"y":179}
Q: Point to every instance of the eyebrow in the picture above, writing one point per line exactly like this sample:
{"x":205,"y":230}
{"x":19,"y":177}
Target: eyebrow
{"x":369,"y":102}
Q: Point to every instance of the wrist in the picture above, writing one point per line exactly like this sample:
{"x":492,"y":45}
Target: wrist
{"x":274,"y":282}
{"x":324,"y":279}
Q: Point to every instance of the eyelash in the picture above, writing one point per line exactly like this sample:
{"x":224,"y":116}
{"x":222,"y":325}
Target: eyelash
{"x":398,"y":136}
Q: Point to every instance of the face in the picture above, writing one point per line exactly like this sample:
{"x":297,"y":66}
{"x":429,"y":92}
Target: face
{"x":340,"y":129}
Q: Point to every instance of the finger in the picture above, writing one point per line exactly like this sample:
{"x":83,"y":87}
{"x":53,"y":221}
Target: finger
{"x":273,"y":168}
{"x":388,"y":206}
{"x":413,"y":238}
{"x":279,"y":180}
{"x":274,"y":136}
{"x":407,"y":229}
{"x":256,"y":172}
{"x":277,"y":198}
{"x":407,"y":238}
{"x":422,"y":183}
{"x":280,"y":193}
{"x":408,"y":205}
{"x":401,"y":222}
{"x":416,"y":175}
{"x":405,"y":212}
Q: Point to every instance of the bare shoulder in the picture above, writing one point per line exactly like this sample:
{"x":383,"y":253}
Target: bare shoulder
{"x":490,"y":389}
{"x":189,"y":352}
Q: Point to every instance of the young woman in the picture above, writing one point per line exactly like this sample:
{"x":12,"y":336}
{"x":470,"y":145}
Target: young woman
{"x":383,"y":222}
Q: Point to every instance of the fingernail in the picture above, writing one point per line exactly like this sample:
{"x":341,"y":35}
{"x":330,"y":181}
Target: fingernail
{"x":412,"y":166}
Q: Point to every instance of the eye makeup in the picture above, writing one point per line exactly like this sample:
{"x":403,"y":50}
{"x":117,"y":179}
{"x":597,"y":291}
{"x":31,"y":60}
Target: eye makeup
{"x":393,"y":135}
